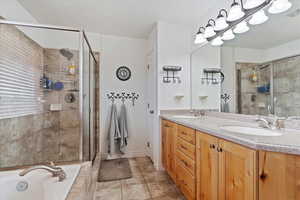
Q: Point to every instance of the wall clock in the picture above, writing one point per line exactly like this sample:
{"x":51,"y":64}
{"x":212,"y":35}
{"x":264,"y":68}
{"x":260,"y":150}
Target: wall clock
{"x":123,"y":73}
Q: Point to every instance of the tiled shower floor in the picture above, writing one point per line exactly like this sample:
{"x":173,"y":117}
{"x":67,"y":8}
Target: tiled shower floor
{"x":146,"y":184}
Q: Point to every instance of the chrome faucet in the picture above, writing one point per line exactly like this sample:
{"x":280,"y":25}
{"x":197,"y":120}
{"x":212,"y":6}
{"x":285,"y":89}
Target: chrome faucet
{"x":275,"y":125}
{"x":54,"y":170}
{"x":197,"y":113}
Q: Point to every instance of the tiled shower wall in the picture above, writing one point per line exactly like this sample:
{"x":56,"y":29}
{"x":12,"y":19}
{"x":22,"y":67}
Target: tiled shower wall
{"x":287,"y":86}
{"x":250,"y":101}
{"x":286,"y":75}
{"x":48,"y":136}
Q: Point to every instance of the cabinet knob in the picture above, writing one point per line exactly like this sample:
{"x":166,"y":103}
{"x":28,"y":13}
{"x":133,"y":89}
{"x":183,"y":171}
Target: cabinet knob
{"x":263,"y":176}
{"x":219,"y":149}
{"x":212,"y":146}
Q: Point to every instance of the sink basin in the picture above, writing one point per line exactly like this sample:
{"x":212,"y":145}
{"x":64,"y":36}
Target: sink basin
{"x":251,"y":131}
{"x":187,"y":117}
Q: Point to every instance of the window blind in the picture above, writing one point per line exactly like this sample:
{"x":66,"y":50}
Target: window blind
{"x":20,"y":90}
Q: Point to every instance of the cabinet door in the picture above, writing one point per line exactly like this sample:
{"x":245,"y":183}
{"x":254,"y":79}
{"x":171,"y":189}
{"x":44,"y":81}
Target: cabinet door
{"x":207,"y":167}
{"x":279,"y":176}
{"x":164,"y":134}
{"x":171,"y":142}
{"x":237,"y":172}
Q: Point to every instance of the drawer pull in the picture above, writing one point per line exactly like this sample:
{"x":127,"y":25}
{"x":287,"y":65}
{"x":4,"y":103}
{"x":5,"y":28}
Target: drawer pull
{"x":185,"y":163}
{"x":212,"y":146}
{"x":183,"y":147}
{"x":219,"y":149}
{"x":183,"y":133}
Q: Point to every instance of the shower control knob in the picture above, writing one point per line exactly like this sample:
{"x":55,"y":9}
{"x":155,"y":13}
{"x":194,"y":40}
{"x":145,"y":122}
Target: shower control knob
{"x":151,"y":111}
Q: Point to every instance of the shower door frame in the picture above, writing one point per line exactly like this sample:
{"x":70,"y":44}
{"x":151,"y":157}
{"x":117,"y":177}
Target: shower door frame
{"x":82,"y":38}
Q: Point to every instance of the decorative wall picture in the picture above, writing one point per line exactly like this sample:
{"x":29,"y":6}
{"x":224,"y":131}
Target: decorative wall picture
{"x":123,"y":73}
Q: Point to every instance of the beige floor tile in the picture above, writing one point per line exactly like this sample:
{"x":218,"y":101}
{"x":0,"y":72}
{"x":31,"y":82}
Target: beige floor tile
{"x":135,"y":192}
{"x":133,"y":162}
{"x":108,"y":185}
{"x":136,"y":171}
{"x":109,"y":194}
{"x":147,"y":168}
{"x":158,"y":189}
{"x":144,"y":161}
{"x":157,"y":176}
{"x":171,"y":196}
{"x":134,"y":180}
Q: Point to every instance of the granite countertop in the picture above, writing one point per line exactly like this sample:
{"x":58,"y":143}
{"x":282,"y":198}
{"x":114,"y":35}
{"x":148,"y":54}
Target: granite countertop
{"x":289,"y":142}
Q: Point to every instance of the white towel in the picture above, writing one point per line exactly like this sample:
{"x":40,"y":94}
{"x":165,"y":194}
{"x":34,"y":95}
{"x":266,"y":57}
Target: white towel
{"x":123,"y":128}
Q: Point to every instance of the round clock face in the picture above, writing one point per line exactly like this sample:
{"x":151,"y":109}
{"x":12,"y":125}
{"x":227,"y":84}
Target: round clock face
{"x":123,"y":73}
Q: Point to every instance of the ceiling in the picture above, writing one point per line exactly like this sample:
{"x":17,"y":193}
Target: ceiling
{"x":279,"y":29}
{"x":131,"y":18}
{"x":135,"y":18}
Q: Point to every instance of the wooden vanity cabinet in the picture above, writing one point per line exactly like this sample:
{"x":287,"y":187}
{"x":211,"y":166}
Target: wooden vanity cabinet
{"x":279,"y":176}
{"x":185,"y":161}
{"x":225,"y":171}
{"x":169,"y":134}
{"x":205,"y":167}
{"x":237,"y":172}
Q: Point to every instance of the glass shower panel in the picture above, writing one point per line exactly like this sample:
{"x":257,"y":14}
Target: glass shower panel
{"x":86,"y":101}
{"x":287,"y":87}
{"x":89,"y":112}
{"x":39,"y":96}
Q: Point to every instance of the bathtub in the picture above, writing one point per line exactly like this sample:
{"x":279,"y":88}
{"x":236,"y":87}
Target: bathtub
{"x":40,"y":184}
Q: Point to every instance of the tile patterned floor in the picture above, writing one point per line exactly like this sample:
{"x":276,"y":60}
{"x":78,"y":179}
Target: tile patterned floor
{"x":146,"y":184}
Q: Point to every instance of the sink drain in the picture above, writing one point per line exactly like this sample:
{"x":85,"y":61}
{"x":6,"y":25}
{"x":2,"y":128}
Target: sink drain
{"x":22,"y":186}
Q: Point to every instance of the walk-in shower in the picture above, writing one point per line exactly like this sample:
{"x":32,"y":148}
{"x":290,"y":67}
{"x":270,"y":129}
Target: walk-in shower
{"x":269,"y":88}
{"x":48,"y":94}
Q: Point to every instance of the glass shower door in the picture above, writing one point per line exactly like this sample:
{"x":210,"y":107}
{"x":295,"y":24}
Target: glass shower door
{"x":89,"y":115}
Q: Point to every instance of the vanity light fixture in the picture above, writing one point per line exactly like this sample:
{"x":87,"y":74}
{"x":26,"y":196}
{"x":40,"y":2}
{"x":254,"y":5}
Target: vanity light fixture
{"x":228,"y":35}
{"x":241,"y":28}
{"x":217,"y":41}
{"x":200,"y":36}
{"x":221,"y":22}
{"x":253,"y":3}
{"x":235,"y":21}
{"x":209,"y":30}
{"x":259,"y":18}
{"x":236,"y":12}
{"x":279,"y":6}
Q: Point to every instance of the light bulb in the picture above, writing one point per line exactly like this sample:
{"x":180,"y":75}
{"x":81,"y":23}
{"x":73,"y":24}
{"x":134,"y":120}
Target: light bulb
{"x":228,"y":35}
{"x":279,"y":6}
{"x":221,"y":22}
{"x":241,"y":28}
{"x":235,"y":12}
{"x":253,"y":3}
{"x":200,"y":37}
{"x":258,"y":18}
{"x":217,"y":42}
{"x":209,"y":31}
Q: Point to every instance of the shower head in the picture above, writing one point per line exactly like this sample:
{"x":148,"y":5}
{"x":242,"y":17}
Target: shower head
{"x":66,"y":53}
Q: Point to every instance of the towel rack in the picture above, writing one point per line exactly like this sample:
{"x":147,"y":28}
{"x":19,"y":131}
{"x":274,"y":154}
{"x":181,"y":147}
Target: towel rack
{"x":123,"y":96}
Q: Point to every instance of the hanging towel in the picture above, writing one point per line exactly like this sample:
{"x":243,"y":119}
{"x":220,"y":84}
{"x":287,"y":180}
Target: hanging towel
{"x":114,"y":134}
{"x":123,"y":128}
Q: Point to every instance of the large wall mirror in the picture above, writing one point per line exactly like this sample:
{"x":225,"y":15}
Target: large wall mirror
{"x":260,"y":69}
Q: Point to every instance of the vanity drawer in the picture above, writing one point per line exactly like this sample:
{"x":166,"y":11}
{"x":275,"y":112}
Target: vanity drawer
{"x":187,"y":134}
{"x":186,"y":148}
{"x":187,"y":182}
{"x":185,"y":161}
